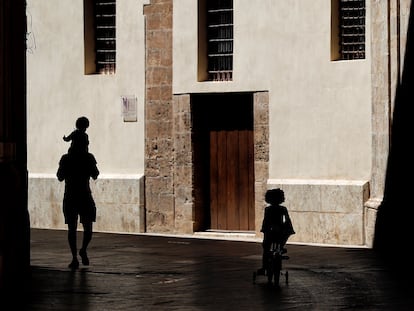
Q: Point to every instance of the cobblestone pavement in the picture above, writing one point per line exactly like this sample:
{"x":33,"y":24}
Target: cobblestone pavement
{"x":146,"y":272}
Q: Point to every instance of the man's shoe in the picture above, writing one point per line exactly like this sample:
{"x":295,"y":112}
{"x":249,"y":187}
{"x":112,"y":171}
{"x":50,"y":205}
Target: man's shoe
{"x":74,"y":264}
{"x":84,"y":256}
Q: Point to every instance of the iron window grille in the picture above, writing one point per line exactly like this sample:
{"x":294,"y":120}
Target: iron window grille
{"x":220,"y":40}
{"x":105,"y":36}
{"x":352,"y":29}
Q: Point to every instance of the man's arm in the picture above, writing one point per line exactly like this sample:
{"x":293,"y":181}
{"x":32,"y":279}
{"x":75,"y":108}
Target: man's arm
{"x":94,"y":169}
{"x":95,"y":172}
{"x":61,"y":172}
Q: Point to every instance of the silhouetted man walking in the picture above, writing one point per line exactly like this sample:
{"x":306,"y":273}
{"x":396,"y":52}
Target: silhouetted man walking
{"x":76,"y":168}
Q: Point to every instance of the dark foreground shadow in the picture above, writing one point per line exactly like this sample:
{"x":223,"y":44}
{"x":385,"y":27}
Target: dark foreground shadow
{"x":393,"y":232}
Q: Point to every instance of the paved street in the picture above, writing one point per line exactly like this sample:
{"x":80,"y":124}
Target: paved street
{"x":144,"y":272}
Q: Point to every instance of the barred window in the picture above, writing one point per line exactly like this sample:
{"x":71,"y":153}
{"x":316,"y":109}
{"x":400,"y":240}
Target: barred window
{"x":352,"y":31}
{"x":99,"y":36}
{"x":348,"y":29}
{"x":105,"y":36}
{"x":220,"y":40}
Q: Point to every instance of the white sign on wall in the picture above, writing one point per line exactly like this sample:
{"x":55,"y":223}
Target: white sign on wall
{"x":129,"y":108}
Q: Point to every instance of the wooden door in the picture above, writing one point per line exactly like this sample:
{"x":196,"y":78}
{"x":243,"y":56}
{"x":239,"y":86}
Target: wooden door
{"x":231,"y":179}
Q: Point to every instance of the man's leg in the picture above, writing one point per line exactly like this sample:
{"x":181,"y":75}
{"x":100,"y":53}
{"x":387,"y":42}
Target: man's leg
{"x":72,"y":227}
{"x":87,"y":237}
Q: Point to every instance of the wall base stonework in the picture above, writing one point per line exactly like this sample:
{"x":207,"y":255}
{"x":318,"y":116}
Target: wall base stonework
{"x":119,"y":202}
{"x":325,"y":211}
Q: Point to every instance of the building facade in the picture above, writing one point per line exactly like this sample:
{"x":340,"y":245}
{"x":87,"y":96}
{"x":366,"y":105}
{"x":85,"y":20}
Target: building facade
{"x":197,"y":107}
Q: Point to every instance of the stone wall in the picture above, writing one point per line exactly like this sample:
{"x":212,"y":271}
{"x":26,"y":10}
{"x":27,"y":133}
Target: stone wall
{"x":185,"y":218}
{"x":261,"y":153}
{"x":159,"y":155}
{"x":119,"y":202}
{"x":326,"y":212}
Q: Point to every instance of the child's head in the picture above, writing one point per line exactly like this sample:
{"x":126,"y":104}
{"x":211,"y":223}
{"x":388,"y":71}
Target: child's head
{"x":82,"y":123}
{"x":275,"y":196}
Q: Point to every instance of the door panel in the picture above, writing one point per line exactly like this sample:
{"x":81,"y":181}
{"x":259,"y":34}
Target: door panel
{"x":214,"y":195}
{"x":232,"y":169}
{"x":245,"y":182}
{"x":231,"y":176}
{"x":221,"y":178}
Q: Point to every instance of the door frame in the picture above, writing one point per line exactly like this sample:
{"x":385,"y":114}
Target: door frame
{"x":189,"y":202}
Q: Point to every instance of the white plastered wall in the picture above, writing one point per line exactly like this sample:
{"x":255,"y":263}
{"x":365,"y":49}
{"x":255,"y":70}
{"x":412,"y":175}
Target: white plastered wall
{"x":59,"y":92}
{"x":319,"y":109}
